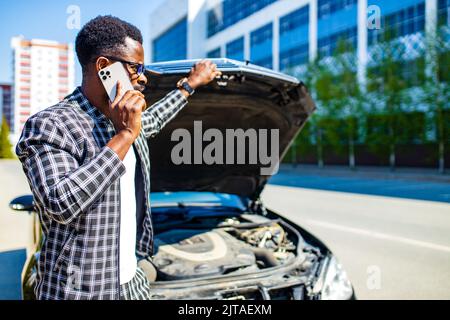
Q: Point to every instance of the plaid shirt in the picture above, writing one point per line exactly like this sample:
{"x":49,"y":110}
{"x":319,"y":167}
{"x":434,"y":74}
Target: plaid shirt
{"x":74,"y":178}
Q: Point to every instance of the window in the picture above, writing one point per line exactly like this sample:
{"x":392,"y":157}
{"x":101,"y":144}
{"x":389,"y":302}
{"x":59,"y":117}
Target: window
{"x":403,"y":22}
{"x":294,"y":57}
{"x":235,"y":49}
{"x":262,"y":34}
{"x":327,"y":45}
{"x":214,"y":53}
{"x":215,"y":23}
{"x":294,"y":28}
{"x":172,"y":45}
{"x":294,"y":20}
{"x":229,"y":12}
{"x":261,"y":46}
{"x":327,"y":7}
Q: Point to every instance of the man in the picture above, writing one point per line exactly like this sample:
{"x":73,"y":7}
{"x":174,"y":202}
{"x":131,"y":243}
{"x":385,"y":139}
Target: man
{"x":87,"y":162}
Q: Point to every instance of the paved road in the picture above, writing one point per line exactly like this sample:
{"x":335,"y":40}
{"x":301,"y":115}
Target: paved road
{"x":403,"y":243}
{"x":373,"y":183}
{"x":14,"y":226}
{"x":15,"y":229}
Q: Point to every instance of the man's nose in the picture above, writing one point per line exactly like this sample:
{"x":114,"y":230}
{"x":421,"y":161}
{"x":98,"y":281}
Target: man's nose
{"x":142,"y":80}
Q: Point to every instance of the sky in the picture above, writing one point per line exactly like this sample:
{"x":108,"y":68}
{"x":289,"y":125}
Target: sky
{"x":47,"y":19}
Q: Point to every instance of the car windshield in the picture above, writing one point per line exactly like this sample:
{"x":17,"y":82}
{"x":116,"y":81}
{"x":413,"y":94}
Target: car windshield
{"x":197,"y":199}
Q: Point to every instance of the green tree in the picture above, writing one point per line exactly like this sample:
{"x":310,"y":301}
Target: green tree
{"x":337,"y":92}
{"x":319,"y":79}
{"x":386,"y":85}
{"x":436,"y":91}
{"x":347,"y":100}
{"x":303,"y":143}
{"x":5,"y":145}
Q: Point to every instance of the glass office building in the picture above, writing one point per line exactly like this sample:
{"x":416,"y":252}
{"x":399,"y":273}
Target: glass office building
{"x":286,"y":34}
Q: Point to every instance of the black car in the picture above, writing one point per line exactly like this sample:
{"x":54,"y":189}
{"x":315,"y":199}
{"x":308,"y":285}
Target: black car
{"x":214,"y":238}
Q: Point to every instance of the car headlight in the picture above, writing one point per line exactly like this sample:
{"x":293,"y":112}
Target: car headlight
{"x":336,"y":285}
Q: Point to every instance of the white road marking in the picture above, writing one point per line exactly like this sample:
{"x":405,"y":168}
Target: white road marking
{"x":379,"y":235}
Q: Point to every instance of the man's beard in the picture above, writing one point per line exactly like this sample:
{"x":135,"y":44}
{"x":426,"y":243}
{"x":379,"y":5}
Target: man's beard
{"x":139,"y":87}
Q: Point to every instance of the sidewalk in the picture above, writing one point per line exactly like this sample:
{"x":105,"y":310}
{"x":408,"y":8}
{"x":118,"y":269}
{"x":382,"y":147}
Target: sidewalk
{"x":15,"y":226}
{"x":370,"y":172}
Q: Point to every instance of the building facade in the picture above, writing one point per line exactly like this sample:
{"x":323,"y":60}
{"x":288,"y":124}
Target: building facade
{"x":283,"y":34}
{"x":6,"y":105}
{"x":43,"y":74}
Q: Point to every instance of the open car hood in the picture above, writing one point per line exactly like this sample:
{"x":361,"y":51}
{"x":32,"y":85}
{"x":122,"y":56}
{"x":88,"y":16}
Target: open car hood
{"x":247,"y":97}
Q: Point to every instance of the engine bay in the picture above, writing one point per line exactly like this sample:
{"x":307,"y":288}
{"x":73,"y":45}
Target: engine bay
{"x":215,"y":246}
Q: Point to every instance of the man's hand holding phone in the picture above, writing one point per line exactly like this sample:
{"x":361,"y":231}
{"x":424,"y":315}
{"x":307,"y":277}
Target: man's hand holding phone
{"x":125,"y":113}
{"x":126,"y":109}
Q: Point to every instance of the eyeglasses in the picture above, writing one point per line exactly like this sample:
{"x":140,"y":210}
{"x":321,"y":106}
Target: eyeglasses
{"x":138,"y":68}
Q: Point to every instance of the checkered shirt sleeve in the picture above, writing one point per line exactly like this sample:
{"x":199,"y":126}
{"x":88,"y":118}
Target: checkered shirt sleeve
{"x":161,"y":112}
{"x":49,"y":157}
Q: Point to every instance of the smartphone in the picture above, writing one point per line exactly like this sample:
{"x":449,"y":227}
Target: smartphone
{"x":110,"y":75}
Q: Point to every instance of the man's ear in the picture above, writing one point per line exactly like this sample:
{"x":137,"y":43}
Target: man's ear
{"x":101,"y":63}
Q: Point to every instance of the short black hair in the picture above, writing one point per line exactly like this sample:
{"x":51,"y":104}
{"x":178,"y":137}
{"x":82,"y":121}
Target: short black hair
{"x":104,"y":35}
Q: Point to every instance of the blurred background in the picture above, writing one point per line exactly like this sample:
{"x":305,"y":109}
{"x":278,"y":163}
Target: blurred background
{"x":368,"y":173}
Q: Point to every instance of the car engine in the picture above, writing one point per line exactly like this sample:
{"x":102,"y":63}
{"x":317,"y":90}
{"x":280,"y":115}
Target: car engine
{"x":234,"y":246}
